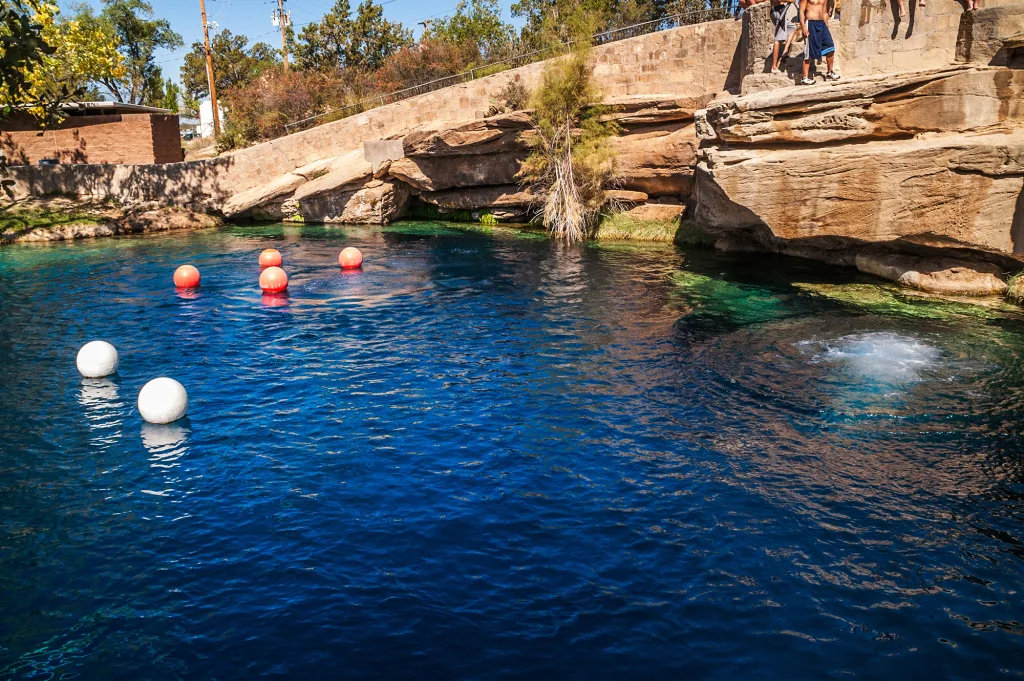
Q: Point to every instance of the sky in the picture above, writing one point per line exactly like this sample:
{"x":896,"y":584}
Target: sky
{"x":251,"y":18}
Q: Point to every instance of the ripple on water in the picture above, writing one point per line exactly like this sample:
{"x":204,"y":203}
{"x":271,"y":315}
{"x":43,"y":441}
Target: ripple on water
{"x":880,"y":356}
{"x":489,"y":457}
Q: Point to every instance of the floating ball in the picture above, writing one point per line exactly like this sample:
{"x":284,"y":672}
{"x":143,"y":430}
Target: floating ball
{"x":97,"y":359}
{"x":273,"y":280}
{"x":351,"y":257}
{"x":163,"y":400}
{"x":186,"y":276}
{"x":271,"y":257}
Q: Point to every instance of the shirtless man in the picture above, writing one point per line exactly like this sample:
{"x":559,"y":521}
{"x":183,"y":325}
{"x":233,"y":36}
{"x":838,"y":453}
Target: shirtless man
{"x":817,"y":38}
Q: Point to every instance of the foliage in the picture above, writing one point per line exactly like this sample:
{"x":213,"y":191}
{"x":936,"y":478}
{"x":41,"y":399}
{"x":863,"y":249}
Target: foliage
{"x":477,"y":23}
{"x":234,"y":64}
{"x":130,"y":24}
{"x":172,"y":95}
{"x":555,"y":22}
{"x":624,"y":227}
{"x":339,"y":40}
{"x":81,"y":53}
{"x":22,"y":47}
{"x":428,"y":61}
{"x":260,"y":109}
{"x":572,"y":160}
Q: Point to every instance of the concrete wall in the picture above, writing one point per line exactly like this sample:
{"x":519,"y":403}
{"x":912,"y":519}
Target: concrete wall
{"x":122,"y":138}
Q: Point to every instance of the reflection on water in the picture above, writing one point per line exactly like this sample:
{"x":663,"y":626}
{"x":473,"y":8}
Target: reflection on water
{"x":275,"y":299}
{"x":164,"y":441}
{"x":485,"y":456}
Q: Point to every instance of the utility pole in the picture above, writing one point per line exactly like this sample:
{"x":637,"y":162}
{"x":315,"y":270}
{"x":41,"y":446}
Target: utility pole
{"x":283,"y":19}
{"x":209,"y":71}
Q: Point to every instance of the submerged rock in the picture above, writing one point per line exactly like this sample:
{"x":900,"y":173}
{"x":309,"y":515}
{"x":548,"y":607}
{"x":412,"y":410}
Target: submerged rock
{"x":933,"y":273}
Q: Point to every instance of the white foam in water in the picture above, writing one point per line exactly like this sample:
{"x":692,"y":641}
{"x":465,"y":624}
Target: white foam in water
{"x":880,"y":356}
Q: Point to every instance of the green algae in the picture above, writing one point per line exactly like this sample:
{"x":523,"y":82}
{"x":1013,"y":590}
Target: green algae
{"x":15,"y":221}
{"x":889,"y":300}
{"x":740,"y":304}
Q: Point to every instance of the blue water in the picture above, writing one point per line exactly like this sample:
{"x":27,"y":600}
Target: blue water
{"x":488,"y":456}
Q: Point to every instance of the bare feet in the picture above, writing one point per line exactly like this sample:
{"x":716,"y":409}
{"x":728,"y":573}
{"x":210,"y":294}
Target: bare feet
{"x":922,"y":3}
{"x":903,"y":9}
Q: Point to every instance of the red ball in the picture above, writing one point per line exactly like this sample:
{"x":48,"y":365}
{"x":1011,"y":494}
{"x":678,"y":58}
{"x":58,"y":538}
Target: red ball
{"x":273,"y":280}
{"x":270,"y":258}
{"x":186,"y":276}
{"x":350,"y":257}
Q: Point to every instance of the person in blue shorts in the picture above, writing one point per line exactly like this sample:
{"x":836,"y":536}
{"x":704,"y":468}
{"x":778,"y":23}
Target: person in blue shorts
{"x":817,"y":38}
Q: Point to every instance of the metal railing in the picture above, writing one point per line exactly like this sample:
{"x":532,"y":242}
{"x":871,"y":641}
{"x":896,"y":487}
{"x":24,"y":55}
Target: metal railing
{"x":603,"y":38}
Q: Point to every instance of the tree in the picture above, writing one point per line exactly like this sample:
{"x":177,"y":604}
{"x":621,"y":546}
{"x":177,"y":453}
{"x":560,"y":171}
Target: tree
{"x":340,"y":41}
{"x":172,"y":93}
{"x":138,"y":35}
{"x":477,"y":23}
{"x":553,"y":22}
{"x":23,"y":47}
{"x":80,"y":54}
{"x":572,"y":160}
{"x":234,"y":63}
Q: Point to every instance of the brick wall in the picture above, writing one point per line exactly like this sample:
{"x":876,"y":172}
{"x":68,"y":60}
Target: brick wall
{"x":119,"y":139}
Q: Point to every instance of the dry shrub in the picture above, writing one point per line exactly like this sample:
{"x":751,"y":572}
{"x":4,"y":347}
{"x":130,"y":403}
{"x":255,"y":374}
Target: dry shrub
{"x":423,"y":63}
{"x":259,"y":110}
{"x":513,"y":97}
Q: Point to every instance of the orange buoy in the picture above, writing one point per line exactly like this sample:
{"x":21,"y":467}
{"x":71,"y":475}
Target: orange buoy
{"x":273,"y":280}
{"x":271,"y":257}
{"x":350,"y":257}
{"x":186,"y":276}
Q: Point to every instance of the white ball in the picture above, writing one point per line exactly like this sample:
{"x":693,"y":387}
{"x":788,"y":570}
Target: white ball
{"x":163,"y":400}
{"x":97,"y":359}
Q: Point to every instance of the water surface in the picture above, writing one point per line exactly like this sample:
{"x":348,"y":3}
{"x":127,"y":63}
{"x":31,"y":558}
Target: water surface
{"x":488,"y":456}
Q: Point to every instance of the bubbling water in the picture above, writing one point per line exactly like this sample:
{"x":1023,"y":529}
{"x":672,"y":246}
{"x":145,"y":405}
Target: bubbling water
{"x":882,"y":357}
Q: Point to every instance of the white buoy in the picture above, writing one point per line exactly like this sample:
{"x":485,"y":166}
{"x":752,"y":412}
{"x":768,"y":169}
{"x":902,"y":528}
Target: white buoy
{"x":163,"y":400}
{"x":97,"y":359}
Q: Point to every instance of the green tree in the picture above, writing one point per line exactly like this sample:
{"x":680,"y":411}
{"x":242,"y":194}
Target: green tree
{"x":172,"y":93}
{"x":551,"y":22}
{"x":81,"y":54}
{"x":131,"y":24}
{"x":234,"y":64}
{"x":572,"y":161}
{"x":477,"y":22}
{"x":339,"y":40}
{"x":23,"y":47}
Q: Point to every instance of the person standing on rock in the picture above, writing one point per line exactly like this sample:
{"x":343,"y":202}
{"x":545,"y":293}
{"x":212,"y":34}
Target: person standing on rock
{"x":818,"y":41}
{"x":784,"y":16}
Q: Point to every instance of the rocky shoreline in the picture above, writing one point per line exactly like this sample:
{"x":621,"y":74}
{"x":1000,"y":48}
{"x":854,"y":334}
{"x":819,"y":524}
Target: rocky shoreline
{"x":61,"y":219}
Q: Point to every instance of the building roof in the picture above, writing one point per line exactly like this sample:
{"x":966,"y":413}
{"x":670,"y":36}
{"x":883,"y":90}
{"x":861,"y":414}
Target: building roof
{"x":108,"y":108}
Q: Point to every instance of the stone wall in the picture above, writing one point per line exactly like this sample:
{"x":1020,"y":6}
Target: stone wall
{"x":696,"y":61}
{"x":871,"y":38}
{"x":120,"y":139}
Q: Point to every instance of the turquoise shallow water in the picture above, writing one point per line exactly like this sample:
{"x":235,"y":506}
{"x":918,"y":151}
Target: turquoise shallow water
{"x":487,"y":456}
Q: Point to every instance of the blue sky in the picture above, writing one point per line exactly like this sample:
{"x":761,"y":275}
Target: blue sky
{"x":252,"y":18}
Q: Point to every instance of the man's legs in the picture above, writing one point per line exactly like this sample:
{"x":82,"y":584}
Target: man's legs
{"x":830,"y":60}
{"x":807,"y":67}
{"x":775,"y":56}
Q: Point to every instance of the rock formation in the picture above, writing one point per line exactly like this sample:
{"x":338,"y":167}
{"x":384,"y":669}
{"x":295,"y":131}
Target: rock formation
{"x":823,"y":171}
